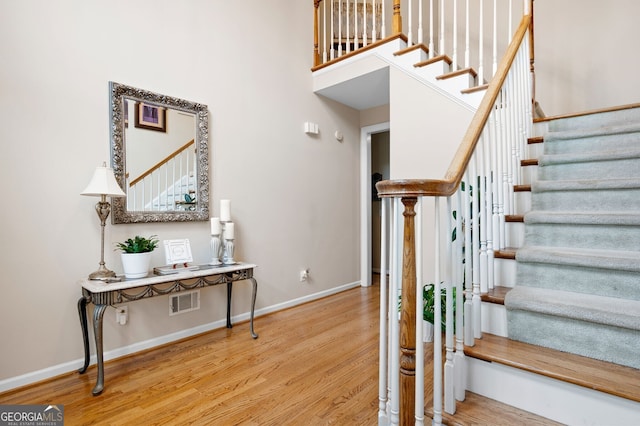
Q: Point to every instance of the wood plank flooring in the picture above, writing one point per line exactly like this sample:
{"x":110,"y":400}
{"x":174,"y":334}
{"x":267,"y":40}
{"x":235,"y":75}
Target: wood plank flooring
{"x":314,"y":364}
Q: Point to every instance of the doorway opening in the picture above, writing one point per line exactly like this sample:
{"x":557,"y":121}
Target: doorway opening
{"x":374,"y":166}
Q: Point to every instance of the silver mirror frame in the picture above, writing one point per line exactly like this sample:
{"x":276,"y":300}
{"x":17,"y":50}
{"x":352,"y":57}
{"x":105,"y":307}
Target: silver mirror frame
{"x":120,"y":214}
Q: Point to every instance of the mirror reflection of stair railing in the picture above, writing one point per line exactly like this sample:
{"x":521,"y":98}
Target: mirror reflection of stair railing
{"x":167,"y":186}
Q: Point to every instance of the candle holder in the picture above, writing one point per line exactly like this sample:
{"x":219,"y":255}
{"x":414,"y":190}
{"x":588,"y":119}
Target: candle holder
{"x":216,"y":248}
{"x":222,"y":242}
{"x":227,"y":258}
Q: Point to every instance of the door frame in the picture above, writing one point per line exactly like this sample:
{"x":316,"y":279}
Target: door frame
{"x":365,"y":199}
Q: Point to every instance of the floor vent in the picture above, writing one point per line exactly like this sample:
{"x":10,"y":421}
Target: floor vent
{"x":184,"y":302}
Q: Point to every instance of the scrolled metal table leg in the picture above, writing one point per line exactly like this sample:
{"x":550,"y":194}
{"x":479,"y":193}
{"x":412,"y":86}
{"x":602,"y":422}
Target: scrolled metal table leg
{"x":98,"y":315}
{"x":253,"y":305}
{"x":82,"y":312}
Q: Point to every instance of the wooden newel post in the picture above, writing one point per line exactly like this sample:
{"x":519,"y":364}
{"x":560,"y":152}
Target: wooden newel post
{"x":316,"y":47}
{"x":397,"y":17}
{"x":408,"y":317}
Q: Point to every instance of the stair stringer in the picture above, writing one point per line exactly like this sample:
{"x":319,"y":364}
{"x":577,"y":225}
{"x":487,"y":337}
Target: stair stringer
{"x":361,"y":81}
{"x":554,"y":399}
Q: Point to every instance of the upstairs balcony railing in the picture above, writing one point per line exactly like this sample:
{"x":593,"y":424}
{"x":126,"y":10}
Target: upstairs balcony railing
{"x":471,"y":33}
{"x":468,"y":225}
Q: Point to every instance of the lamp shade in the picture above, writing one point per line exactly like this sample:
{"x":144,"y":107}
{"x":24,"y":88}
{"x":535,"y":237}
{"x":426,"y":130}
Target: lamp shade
{"x":103,"y":182}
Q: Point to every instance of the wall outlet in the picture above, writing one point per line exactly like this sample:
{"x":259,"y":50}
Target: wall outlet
{"x":304,"y":274}
{"x":122,"y":314}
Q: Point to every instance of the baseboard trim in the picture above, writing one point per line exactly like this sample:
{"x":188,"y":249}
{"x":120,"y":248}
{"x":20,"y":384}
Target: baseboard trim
{"x":67,"y":367}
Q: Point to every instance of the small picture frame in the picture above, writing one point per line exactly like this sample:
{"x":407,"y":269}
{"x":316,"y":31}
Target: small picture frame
{"x":177,"y":251}
{"x":150,"y":117}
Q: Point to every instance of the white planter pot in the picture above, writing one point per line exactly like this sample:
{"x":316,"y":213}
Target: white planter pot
{"x":136,"y":265}
{"x":427,"y":331}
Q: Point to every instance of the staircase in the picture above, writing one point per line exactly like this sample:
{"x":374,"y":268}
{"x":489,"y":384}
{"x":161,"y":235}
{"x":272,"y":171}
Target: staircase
{"x":578,"y":272}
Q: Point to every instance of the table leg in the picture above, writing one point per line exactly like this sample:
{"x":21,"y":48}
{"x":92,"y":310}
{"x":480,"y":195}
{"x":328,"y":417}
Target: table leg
{"x":82,"y":312}
{"x":229,"y":287}
{"x":253,"y":305}
{"x":98,"y":314}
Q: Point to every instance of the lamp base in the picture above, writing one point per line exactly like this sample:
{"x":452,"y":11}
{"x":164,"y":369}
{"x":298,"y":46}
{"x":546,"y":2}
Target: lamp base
{"x":104,"y":274}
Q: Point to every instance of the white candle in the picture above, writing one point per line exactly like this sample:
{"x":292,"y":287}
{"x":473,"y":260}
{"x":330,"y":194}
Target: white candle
{"x":215,"y":226}
{"x":225,"y":210}
{"x":229,"y":231}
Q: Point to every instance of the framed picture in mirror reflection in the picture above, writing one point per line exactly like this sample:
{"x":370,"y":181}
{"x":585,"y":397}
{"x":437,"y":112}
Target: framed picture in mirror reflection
{"x":150,"y":117}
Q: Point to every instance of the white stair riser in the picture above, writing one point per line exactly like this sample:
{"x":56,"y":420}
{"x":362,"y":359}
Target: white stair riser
{"x":505,"y":272}
{"x":431,"y":71}
{"x":494,"y":319}
{"x":514,"y":234}
{"x":409,"y":59}
{"x":560,"y":401}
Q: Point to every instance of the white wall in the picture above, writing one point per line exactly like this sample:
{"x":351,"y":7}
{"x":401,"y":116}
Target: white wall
{"x":294,"y":197}
{"x":585,"y":54}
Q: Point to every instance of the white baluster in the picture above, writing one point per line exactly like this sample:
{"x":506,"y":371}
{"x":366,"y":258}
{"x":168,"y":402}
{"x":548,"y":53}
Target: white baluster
{"x":393,"y":308}
{"x":449,"y":376}
{"x":481,"y":44}
{"x":431,"y":23}
{"x":410,"y":25}
{"x":482,"y":192}
{"x":459,"y":363}
{"x":324,"y":32}
{"x":488,"y":207}
{"x":420,"y":29}
{"x":340,"y":3}
{"x":455,"y":35}
{"x":419,"y":392}
{"x":441,"y":44}
{"x":356,"y":44}
{"x":332,"y":36}
{"x":475,"y":239}
{"x":364,"y":23}
{"x":383,"y":418}
{"x":383,"y":33}
{"x":468,"y":262}
{"x":467,"y":45}
{"x":437,"y":320}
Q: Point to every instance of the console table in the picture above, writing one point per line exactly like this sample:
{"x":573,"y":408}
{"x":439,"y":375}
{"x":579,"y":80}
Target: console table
{"x":104,"y":294}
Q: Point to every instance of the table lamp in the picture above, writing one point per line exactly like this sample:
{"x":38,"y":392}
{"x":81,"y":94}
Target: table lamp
{"x":103,"y":184}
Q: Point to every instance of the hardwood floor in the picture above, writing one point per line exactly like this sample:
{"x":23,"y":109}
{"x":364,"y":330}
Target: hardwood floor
{"x":315,"y":364}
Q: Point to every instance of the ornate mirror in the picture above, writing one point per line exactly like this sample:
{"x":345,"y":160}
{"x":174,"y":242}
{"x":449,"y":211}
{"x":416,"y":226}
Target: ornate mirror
{"x":159,"y":155}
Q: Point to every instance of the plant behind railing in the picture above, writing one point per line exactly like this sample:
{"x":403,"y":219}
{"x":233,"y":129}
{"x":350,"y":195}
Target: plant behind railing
{"x":488,"y":158}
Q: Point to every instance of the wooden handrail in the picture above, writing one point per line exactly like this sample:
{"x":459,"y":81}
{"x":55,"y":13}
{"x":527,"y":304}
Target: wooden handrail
{"x":359,"y":51}
{"x":161,"y":163}
{"x":451,"y":181}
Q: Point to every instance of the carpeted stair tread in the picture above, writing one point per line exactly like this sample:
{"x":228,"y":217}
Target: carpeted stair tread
{"x":617,"y":129}
{"x":583,"y":218}
{"x":588,"y":258}
{"x":611,"y":311}
{"x":584,"y":184}
{"x":589,"y":157}
{"x":596,"y":281}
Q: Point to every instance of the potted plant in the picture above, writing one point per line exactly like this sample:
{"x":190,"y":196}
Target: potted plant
{"x":136,"y":255}
{"x":428,"y":312}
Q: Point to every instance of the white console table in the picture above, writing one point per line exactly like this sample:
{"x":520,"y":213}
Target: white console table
{"x":104,"y":294}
